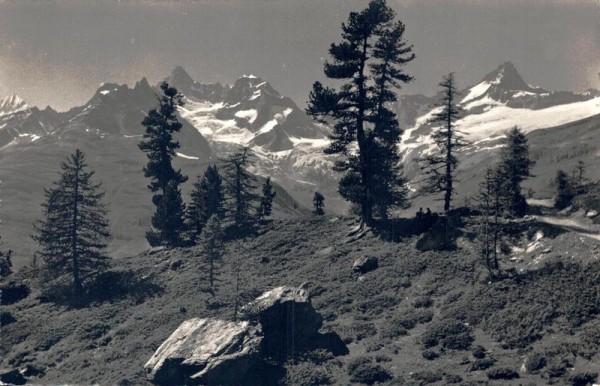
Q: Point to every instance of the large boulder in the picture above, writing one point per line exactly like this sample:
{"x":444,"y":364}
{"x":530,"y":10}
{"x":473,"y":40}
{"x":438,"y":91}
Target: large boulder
{"x":365,"y":264}
{"x":207,"y":351}
{"x":289,"y":321}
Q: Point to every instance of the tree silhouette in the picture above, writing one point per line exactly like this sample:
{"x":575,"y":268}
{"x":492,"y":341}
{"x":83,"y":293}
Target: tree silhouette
{"x":74,"y":229}
{"x":319,"y":204}
{"x":369,"y":62}
{"x":266,"y":201}
{"x":240,"y":185}
{"x":159,"y":146}
{"x":440,"y":168}
{"x":206,"y":200}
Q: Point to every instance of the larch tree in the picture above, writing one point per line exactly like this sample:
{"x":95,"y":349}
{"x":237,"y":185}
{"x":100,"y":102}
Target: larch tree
{"x":207,"y":200}
{"x":515,"y":166}
{"x":212,"y":242}
{"x":490,"y":206}
{"x":74,"y":231}
{"x":240,"y":185}
{"x":158,"y":144}
{"x":5,"y":263}
{"x":319,"y":204}
{"x":440,"y":168}
{"x":266,"y":200}
{"x":368,"y":63}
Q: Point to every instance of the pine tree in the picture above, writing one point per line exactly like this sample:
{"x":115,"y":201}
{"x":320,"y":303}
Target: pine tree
{"x":369,"y":59}
{"x":266,"y":201}
{"x":514,"y":167}
{"x":206,"y":200}
{"x":211,"y":240}
{"x":565,"y":192}
{"x":440,"y":168}
{"x":240,"y":185}
{"x":579,"y":177}
{"x":168,"y":219}
{"x":159,"y":145}
{"x":490,"y":205}
{"x":319,"y":204}
{"x":74,"y":231}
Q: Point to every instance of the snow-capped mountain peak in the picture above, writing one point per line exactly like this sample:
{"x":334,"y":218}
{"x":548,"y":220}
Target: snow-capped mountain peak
{"x":12,"y":104}
{"x":508,"y":78}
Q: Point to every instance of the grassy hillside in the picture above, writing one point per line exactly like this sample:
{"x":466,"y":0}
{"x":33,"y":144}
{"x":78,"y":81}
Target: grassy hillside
{"x":420,"y":318}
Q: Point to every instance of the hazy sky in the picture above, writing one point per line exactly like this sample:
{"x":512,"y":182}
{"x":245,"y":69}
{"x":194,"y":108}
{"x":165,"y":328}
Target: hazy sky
{"x":58,"y":52}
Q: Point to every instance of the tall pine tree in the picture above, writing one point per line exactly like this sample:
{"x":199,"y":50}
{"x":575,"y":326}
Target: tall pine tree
{"x":168,"y":220}
{"x":565,"y":191}
{"x":206,"y":200}
{"x":440,"y":167}
{"x":369,"y":63}
{"x":490,"y":206}
{"x":159,"y":146}
{"x":240,"y":185}
{"x":211,"y":240}
{"x":266,"y":200}
{"x":5,"y":263}
{"x":74,"y":231}
{"x":514,"y":167}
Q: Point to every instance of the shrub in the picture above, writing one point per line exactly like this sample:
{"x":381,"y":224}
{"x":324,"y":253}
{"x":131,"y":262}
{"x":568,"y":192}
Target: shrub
{"x":6,"y":318}
{"x":362,"y":370}
{"x":535,"y":362}
{"x":363,"y":330}
{"x":427,"y":377}
{"x":482,"y":364}
{"x":307,"y":374}
{"x":430,"y":354}
{"x":503,"y":373}
{"x":393,"y":330}
{"x":451,"y":333}
{"x":478,"y":352}
{"x":409,"y":321}
{"x":583,"y":379}
{"x":453,"y":379}
{"x":423,"y":302}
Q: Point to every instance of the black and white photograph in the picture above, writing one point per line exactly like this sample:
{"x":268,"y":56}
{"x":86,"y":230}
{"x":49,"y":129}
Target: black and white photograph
{"x":300,"y":192}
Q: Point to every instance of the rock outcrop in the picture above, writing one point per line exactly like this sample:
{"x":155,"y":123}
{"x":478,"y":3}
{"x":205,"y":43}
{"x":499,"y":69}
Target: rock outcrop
{"x":365,"y":264}
{"x":277,"y":325}
{"x":289,"y":321}
{"x":206,"y":351}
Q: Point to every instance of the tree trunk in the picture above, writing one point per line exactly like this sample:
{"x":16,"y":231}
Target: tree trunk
{"x":76,"y":277}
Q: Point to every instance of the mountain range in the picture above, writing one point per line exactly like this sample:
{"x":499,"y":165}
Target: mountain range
{"x":287,"y":145}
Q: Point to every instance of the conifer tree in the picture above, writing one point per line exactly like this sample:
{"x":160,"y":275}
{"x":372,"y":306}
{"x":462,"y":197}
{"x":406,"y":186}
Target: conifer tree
{"x":319,"y":204}
{"x":211,"y":240}
{"x":240,"y":185}
{"x":206,"y":200}
{"x":73,"y":232}
{"x":159,"y":146}
{"x":579,"y":176}
{"x":266,"y":201}
{"x":369,"y":61}
{"x":490,"y":205}
{"x":168,"y":219}
{"x":514,"y":167}
{"x":440,"y":168}
{"x":565,"y":192}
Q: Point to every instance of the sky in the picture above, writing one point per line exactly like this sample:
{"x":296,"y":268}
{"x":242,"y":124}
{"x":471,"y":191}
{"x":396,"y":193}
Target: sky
{"x":58,"y":52}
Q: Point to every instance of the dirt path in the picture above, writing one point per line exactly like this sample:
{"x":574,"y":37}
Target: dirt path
{"x":571,"y":225}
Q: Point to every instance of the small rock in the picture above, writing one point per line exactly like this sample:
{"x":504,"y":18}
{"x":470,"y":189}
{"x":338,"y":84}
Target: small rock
{"x":591,"y":214}
{"x":31,"y":371}
{"x":365,"y":264}
{"x":155,"y":250}
{"x":325,"y":251}
{"x":175,"y":265}
{"x":547,"y":250}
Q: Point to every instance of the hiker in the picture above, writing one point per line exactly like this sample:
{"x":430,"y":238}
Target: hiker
{"x":420,"y":213}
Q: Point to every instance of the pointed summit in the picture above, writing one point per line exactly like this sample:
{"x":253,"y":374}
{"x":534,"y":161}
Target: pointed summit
{"x":12,"y":104}
{"x":180,"y":78}
{"x":507,"y":77}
